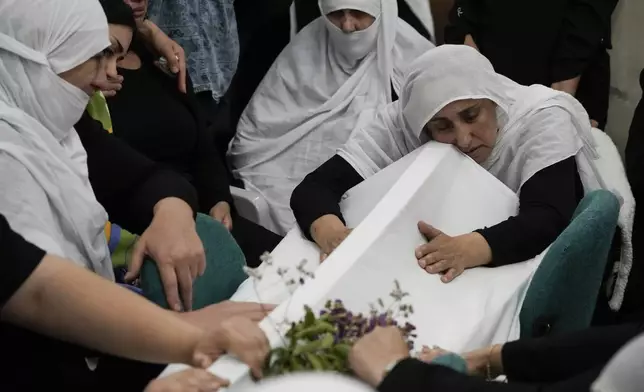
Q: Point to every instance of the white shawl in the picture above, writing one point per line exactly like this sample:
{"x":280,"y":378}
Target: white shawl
{"x":40,"y":39}
{"x":310,"y":100}
{"x":538,"y":127}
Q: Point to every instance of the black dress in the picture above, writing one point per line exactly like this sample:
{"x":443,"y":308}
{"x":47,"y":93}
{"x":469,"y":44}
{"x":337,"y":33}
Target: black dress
{"x":633,"y":299}
{"x":547,"y":203}
{"x":34,"y":362}
{"x":152,"y":116}
{"x":542,"y":42}
{"x":565,"y":363}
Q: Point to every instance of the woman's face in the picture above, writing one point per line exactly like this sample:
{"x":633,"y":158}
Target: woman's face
{"x":139,"y":8}
{"x":97,"y":72}
{"x":350,"y":21}
{"x":469,"y":124}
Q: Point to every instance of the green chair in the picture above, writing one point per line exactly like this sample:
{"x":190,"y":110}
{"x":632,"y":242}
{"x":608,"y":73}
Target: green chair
{"x":565,"y":287}
{"x":224,"y":268}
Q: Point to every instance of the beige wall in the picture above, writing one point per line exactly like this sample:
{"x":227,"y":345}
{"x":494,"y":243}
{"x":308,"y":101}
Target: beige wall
{"x":627,"y":60}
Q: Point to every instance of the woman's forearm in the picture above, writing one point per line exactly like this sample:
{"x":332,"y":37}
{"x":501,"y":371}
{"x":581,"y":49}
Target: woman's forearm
{"x":70,"y":303}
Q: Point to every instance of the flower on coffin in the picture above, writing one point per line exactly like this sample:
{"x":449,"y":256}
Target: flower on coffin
{"x":322,"y":342}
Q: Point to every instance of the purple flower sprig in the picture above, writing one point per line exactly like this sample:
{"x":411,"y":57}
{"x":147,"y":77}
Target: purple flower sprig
{"x":323,"y":342}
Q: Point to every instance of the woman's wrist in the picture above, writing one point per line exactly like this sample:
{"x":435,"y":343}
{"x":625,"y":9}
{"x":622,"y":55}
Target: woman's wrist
{"x":495,"y":360}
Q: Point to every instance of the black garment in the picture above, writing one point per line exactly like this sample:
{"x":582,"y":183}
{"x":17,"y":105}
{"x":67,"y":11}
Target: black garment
{"x":152,"y":116}
{"x":542,"y":41}
{"x":564,"y":363}
{"x":217,"y":117}
{"x":633,"y":299}
{"x":34,"y":362}
{"x":55,"y":364}
{"x":547,"y":203}
{"x":18,"y":259}
{"x":127,"y":184}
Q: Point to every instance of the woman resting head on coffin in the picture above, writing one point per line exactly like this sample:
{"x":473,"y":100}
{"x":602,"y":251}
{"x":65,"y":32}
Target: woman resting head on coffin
{"x":351,"y":59}
{"x":530,"y":138}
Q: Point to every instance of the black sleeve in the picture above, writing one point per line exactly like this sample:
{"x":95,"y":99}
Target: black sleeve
{"x":462,"y":20}
{"x":125,"y":182}
{"x":586,"y":28}
{"x":210,"y":175}
{"x":18,"y":259}
{"x":412,"y":375}
{"x":555,"y":358}
{"x":320,"y":192}
{"x":546,"y":205}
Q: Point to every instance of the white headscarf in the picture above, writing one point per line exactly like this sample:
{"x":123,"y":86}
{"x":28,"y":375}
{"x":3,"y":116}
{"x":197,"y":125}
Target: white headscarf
{"x":538,"y":127}
{"x":40,"y":39}
{"x":310,"y":100}
{"x":625,"y":371}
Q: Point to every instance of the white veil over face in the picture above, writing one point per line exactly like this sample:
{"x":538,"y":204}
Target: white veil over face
{"x":538,"y":127}
{"x":40,"y":39}
{"x":310,"y":100}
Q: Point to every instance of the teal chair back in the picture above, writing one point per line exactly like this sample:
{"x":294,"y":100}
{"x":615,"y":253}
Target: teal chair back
{"x":224,"y":268}
{"x":565,"y":287}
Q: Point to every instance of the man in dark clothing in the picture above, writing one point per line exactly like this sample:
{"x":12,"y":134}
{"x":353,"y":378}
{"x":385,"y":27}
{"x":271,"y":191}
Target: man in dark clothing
{"x":558,"y":43}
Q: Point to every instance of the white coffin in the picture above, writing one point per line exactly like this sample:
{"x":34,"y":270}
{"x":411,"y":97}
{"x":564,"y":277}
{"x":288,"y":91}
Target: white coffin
{"x":436,"y":184}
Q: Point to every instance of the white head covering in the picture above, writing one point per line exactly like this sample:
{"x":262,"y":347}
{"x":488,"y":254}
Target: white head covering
{"x":40,"y":39}
{"x":310,"y":100}
{"x":625,"y":371}
{"x":538,"y":127}
{"x":456,"y":72}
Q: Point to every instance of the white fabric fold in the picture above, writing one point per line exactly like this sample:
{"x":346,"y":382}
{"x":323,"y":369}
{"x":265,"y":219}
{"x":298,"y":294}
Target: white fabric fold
{"x":538,"y":127}
{"x":40,"y":39}
{"x":311,"y":99}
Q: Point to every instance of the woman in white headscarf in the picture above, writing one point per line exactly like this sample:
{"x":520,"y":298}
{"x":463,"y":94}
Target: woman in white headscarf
{"x":535,"y":140}
{"x":351,"y":59}
{"x":50,"y":61}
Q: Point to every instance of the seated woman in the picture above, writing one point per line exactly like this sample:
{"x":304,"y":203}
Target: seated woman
{"x":351,"y":59}
{"x":154,"y":117}
{"x":535,"y":140}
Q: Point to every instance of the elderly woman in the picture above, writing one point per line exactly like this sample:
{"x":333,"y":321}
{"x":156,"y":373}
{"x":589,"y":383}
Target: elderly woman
{"x":535,"y":140}
{"x":351,"y":59}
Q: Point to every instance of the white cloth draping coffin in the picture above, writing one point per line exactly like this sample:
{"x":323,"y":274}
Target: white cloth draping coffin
{"x":437,"y":184}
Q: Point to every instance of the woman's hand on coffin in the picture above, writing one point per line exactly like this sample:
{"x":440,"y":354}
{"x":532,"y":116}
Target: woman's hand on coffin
{"x":428,"y":354}
{"x":189,"y":380}
{"x":328,"y":232}
{"x":215,"y":314}
{"x":172,"y":241}
{"x":450,"y":256}
{"x":221,"y":213}
{"x":238,"y":336}
{"x":371,"y":356}
{"x":485,"y":362}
